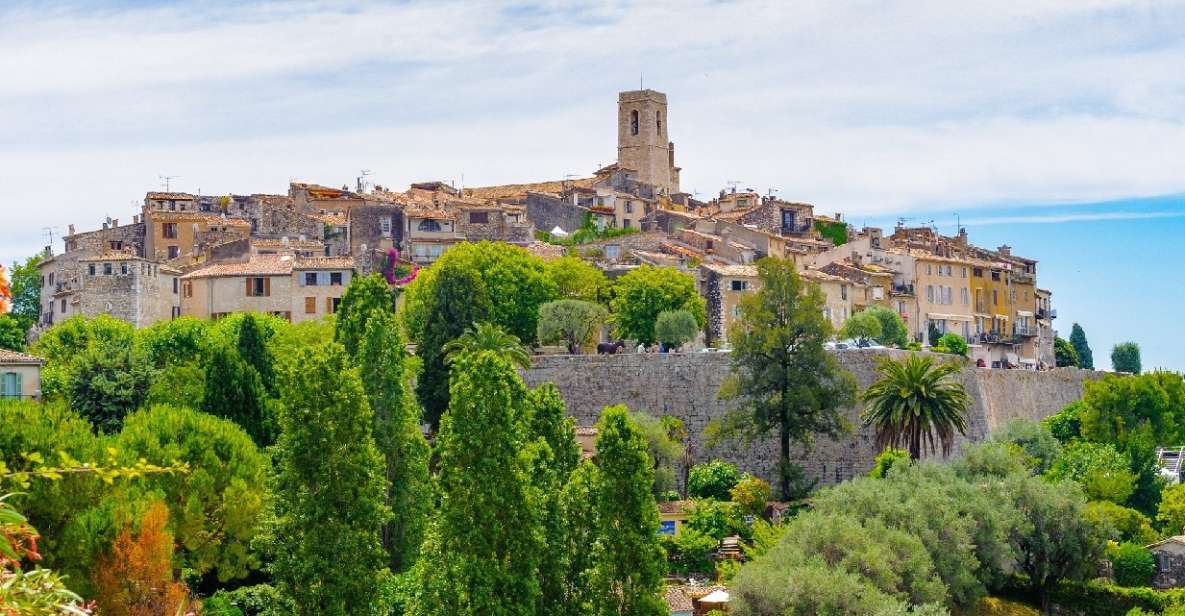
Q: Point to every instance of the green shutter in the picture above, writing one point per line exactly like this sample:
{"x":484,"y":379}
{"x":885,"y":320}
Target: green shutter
{"x":4,"y":385}
{"x":16,"y":378}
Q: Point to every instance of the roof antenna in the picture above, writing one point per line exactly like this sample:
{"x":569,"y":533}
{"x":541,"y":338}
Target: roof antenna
{"x":167,"y":179}
{"x":640,"y":81}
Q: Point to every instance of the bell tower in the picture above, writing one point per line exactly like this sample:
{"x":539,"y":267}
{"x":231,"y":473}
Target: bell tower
{"x":642,"y":142}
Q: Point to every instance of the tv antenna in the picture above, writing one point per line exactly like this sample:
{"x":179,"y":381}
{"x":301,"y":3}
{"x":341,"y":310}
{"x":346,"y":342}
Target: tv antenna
{"x":733,"y":184}
{"x":362,"y":180}
{"x":958,"y":224}
{"x":49,"y":231}
{"x":167,"y":180}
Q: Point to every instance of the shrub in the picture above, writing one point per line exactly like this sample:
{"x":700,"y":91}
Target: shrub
{"x":886,"y":460}
{"x":1121,"y":523}
{"x":1034,"y":439}
{"x":717,"y":519}
{"x":951,"y":343}
{"x":751,"y":494}
{"x":1103,"y":471}
{"x":690,"y":552}
{"x":674,"y":328}
{"x":1133,"y":565}
{"x":713,"y":479}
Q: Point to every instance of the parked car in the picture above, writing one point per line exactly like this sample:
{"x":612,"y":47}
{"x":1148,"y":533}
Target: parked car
{"x":844,"y":345}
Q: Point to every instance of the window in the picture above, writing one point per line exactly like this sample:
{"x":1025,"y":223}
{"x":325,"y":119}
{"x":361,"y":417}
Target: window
{"x":175,"y":285}
{"x":843,"y":291}
{"x":385,"y":222}
{"x":930,"y":293}
{"x":978,"y":272}
{"x":91,"y":269}
{"x":63,"y":306}
{"x":479,"y":218}
{"x":116,"y":245}
{"x":965,"y":295}
{"x":123,"y":268}
{"x":335,"y":279}
{"x":310,"y":279}
{"x":996,"y":276}
{"x":634,"y":122}
{"x":10,"y":385}
{"x":331,"y":304}
{"x":658,"y":122}
{"x":107,"y":270}
{"x":929,"y":271}
{"x":187,"y":289}
{"x":995,"y":297}
{"x":429,"y":225}
{"x":625,"y":223}
{"x":629,"y":207}
{"x":964,"y":272}
{"x":310,"y":305}
{"x":51,"y":278}
{"x":169,"y":230}
{"x":259,"y":287}
{"x":740,"y":285}
{"x":174,"y":252}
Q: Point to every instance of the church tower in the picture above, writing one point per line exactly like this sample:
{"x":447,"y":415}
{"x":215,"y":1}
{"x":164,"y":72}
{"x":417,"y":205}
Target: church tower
{"x":642,"y":143}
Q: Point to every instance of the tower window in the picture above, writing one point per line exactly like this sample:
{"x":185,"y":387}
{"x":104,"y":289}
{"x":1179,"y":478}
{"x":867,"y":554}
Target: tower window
{"x":658,"y":122}
{"x":634,"y":122}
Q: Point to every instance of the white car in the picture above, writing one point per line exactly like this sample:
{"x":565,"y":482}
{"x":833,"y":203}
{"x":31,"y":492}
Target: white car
{"x":844,"y":345}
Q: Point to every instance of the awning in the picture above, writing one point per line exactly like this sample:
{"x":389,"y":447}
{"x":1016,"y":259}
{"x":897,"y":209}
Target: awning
{"x":1002,"y":317}
{"x":716,"y":596}
{"x":1023,"y":313}
{"x":935,"y":316}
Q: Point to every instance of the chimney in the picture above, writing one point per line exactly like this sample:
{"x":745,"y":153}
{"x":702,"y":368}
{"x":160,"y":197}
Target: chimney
{"x":70,"y":230}
{"x":105,"y":225}
{"x":114,"y":222}
{"x":1005,"y":251}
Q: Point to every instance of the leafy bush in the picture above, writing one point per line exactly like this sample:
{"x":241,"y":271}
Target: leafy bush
{"x":1121,"y":523}
{"x":1103,"y":471}
{"x":718,"y":519}
{"x":861,"y":327}
{"x":1133,"y":565}
{"x":690,"y":552}
{"x":1066,"y":424}
{"x":951,"y":343}
{"x":1033,"y":438}
{"x":674,"y":328}
{"x":886,"y":460}
{"x":751,"y":494}
{"x":713,"y":479}
{"x":894,"y":332}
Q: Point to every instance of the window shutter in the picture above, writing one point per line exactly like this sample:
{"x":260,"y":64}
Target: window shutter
{"x":329,"y":305}
{"x":4,"y":385}
{"x":267,"y":287}
{"x":16,"y":381}
{"x":310,"y":305}
{"x":248,"y":287}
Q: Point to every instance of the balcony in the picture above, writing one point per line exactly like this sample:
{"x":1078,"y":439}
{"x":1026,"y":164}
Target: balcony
{"x":1024,"y":332}
{"x":902,"y":289}
{"x":797,"y":228}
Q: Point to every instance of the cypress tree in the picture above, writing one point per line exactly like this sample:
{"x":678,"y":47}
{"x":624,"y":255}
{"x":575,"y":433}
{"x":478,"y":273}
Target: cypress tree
{"x":457,"y":299}
{"x":254,"y":351}
{"x":630,"y":564}
{"x":234,"y":391}
{"x":1078,"y":341}
{"x":329,"y":489}
{"x":382,"y":359}
{"x":555,"y":455}
{"x":580,"y":506}
{"x":364,"y":295}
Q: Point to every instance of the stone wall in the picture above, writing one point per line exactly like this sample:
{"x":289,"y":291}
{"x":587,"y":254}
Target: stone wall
{"x":685,"y":386}
{"x":547,"y":212}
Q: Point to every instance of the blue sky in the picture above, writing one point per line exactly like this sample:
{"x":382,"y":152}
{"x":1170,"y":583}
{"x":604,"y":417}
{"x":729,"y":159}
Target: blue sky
{"x":1056,"y":127}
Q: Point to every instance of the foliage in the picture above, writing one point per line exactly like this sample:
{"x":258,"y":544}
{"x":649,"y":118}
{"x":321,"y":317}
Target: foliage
{"x":665,"y":451}
{"x":1103,"y":472}
{"x":488,"y":337}
{"x":644,"y":293}
{"x":65,"y":342}
{"x":285,"y":342}
{"x":835,"y":231}
{"x":1121,"y":523}
{"x":179,"y":385}
{"x":713,"y":479}
{"x":751,"y":494}
{"x":234,"y":391}
{"x":25,"y":279}
{"x":781,"y":378}
{"x":1096,"y":598}
{"x":180,"y":341}
{"x":914,"y":400}
{"x":690,"y":552}
{"x":932,"y":334}
{"x":12,"y":335}
{"x":1033,"y":438}
{"x":576,"y":279}
{"x":1125,"y":357}
{"x":1081,"y":347}
{"x":1118,"y":409}
{"x":1133,"y":565}
{"x":106,"y":382}
{"x":136,"y":578}
{"x":581,"y":507}
{"x":571,"y":321}
{"x":1066,"y":424}
{"x":40,"y":592}
{"x":717,"y":519}
{"x":483,"y":564}
{"x":382,"y":362}
{"x":861,"y":327}
{"x":674,"y":328}
{"x":894,"y":332}
{"x":1170,"y":517}
{"x":452,"y":298}
{"x":216,"y":507}
{"x":550,"y":422}
{"x":1064,"y":353}
{"x":329,"y":509}
{"x":886,"y":460}
{"x":364,"y":295}
{"x":554,"y":456}
{"x":252,"y":348}
{"x":258,"y":600}
{"x":629,"y":569}
{"x":951,"y":343}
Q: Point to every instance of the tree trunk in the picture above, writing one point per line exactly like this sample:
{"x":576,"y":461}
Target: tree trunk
{"x":784,"y":459}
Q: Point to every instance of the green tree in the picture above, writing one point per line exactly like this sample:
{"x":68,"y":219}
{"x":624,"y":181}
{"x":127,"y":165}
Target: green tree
{"x":894,"y":332}
{"x":1121,"y":523}
{"x":1170,"y":517}
{"x":178,"y":385}
{"x":861,"y":327}
{"x":629,"y":571}
{"x":252,"y":348}
{"x":888,"y":459}
{"x":1103,"y":471}
{"x":1064,"y":354}
{"x":555,"y":454}
{"x":674,"y":328}
{"x":665,"y":451}
{"x":1033,"y":438}
{"x":66,"y":342}
{"x":577,"y":279}
{"x":580,"y":505}
{"x":642,"y":294}
{"x":185,"y":340}
{"x":25,"y":281}
{"x":751,"y":494}
{"x":488,"y":565}
{"x":781,"y":378}
{"x":570,"y":321}
{"x":550,"y":422}
{"x":714,"y":479}
{"x":488,"y":337}
{"x":914,"y":400}
{"x":455,"y":300}
{"x":1133,"y":565}
{"x":382,"y":361}
{"x":952,"y":343}
{"x":234,"y":391}
{"x":12,"y":333}
{"x":1081,"y":347}
{"x":1125,"y":357}
{"x":363,"y":296}
{"x":106,"y":382}
{"x":1066,"y":424}
{"x":329,"y":509}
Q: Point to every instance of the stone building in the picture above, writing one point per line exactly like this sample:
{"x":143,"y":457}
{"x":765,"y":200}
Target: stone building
{"x":293,"y":288}
{"x":642,"y":139}
{"x":1170,"y":562}
{"x":20,"y":376}
{"x":119,"y":284}
{"x":178,"y":237}
{"x":722,"y":287}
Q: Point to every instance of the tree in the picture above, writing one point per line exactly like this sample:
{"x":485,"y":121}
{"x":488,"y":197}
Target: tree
{"x":136,"y":578}
{"x":1171,"y":515}
{"x":570,"y":321}
{"x":580,"y":505}
{"x":253,"y":350}
{"x":1066,"y":424}
{"x":329,"y":509}
{"x":932,"y":333}
{"x":665,"y":451}
{"x":488,"y":337}
{"x":861,"y":327}
{"x":554,"y":455}
{"x":179,"y":385}
{"x":234,"y":391}
{"x":629,"y":570}
{"x":363,"y":296}
{"x":1081,"y":348}
{"x":952,"y":343}
{"x":12,"y":335}
{"x":894,"y":332}
{"x":1133,"y":565}
{"x":25,"y":281}
{"x":887,"y":460}
{"x":486,"y":565}
{"x":67,"y":341}
{"x":642,"y":294}
{"x":1064,"y":354}
{"x":106,"y":382}
{"x":382,"y":361}
{"x":576,"y":279}
{"x":781,"y":378}
{"x":751,"y":494}
{"x":1121,"y":523}
{"x":39,"y":592}
{"x":1034,"y":439}
{"x":455,"y":300}
{"x":1146,"y":407}
{"x":1103,"y":472}
{"x":1125,"y":357}
{"x":674,"y":328}
{"x":184,"y":340}
{"x":550,"y":422}
{"x":913,"y":401}
{"x":714,"y":479}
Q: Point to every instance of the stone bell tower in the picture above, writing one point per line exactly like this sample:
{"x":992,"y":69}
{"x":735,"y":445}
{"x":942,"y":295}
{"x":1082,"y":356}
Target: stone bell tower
{"x":642,"y":142}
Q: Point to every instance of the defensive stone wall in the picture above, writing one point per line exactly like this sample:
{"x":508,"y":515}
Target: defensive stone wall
{"x":684,"y":385}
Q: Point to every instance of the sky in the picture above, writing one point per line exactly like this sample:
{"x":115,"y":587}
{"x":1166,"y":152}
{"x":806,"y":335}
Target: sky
{"x":1055,"y":127}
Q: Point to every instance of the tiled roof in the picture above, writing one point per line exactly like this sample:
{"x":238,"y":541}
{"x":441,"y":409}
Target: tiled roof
{"x":426,"y":211}
{"x":324,"y":263}
{"x":520,"y":190}
{"x":198,"y":217}
{"x":677,"y":599}
{"x":731,"y":270}
{"x":294,"y":243}
{"x":112,"y":256}
{"x":678,"y":506}
{"x":175,"y":196}
{"x":264,"y":265}
{"x":12,"y":357}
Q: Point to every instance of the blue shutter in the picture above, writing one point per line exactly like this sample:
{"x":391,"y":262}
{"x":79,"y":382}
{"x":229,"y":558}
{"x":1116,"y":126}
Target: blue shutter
{"x":4,"y":385}
{"x":16,"y":382}
{"x":323,"y":279}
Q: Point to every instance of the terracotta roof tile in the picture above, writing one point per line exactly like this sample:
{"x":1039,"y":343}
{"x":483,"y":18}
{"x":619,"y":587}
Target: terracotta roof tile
{"x":520,"y":190}
{"x":324,"y":263}
{"x":12,"y":357}
{"x":264,"y":265}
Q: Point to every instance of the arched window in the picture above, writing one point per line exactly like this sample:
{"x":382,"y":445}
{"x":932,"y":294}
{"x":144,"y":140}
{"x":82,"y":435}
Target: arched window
{"x":658,"y":122}
{"x":634,"y":122}
{"x":429,"y":225}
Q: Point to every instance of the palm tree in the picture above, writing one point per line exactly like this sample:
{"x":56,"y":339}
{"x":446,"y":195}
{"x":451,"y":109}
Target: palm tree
{"x":488,"y":337}
{"x":912,"y":401}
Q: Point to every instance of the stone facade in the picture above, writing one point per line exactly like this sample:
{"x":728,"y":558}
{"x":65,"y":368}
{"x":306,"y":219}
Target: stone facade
{"x":128,"y":288}
{"x":1170,"y":563}
{"x":685,"y":386}
{"x":547,"y":212}
{"x":642,"y":139}
{"x":377,"y":227}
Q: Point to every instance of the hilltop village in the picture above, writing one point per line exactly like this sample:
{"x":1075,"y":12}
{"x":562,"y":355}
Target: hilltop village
{"x":293,"y":254}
